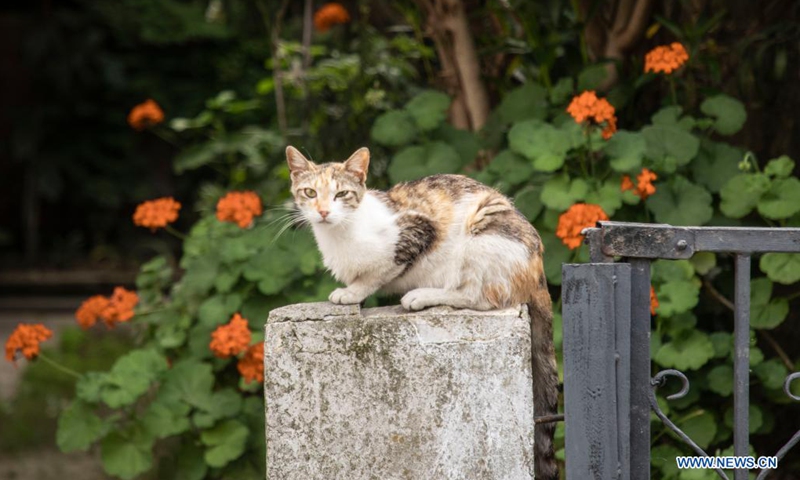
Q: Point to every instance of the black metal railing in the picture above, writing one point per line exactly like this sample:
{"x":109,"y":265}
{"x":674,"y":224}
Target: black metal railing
{"x":606,"y":311}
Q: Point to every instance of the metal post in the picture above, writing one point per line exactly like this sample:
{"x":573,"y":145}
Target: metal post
{"x":640,"y":369}
{"x":596,"y":309}
{"x":741,"y":362}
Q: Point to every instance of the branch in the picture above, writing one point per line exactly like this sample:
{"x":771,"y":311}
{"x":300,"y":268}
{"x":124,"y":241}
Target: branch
{"x":787,"y":362}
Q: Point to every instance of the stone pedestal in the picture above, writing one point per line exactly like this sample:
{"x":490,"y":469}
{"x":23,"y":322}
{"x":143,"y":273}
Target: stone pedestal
{"x":383,"y":394}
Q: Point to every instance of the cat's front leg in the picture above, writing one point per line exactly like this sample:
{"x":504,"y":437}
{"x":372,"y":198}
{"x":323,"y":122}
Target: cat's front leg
{"x":348,"y":295}
{"x":357,"y":291}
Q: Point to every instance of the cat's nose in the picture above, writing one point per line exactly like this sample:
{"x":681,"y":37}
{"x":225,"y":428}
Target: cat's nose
{"x":323,"y":213}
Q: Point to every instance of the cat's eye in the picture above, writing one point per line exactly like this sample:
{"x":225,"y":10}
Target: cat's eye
{"x":309,"y":192}
{"x":342,"y":194}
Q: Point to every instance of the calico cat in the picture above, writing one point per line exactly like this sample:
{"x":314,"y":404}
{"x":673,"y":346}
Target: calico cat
{"x":439,"y":240}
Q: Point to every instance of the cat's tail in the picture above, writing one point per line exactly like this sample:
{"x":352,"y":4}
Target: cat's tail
{"x":545,"y":382}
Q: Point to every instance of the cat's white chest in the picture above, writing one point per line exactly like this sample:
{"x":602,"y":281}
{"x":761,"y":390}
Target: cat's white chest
{"x":366,"y":243}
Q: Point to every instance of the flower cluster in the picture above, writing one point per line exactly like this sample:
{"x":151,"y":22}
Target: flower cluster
{"x":230,"y":339}
{"x":154,"y":214}
{"x":239,"y":208}
{"x":251,"y":365}
{"x":25,"y":339}
{"x":644,"y":183}
{"x":666,"y":58}
{"x":653,"y":301}
{"x":587,"y":107}
{"x":145,"y":114}
{"x":575,"y":219}
{"x":112,"y":310}
{"x":329,"y":15}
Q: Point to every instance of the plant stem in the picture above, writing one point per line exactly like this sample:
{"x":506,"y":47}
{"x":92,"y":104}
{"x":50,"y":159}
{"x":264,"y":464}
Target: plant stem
{"x":174,"y":232}
{"x":672,"y":89}
{"x":60,"y":367}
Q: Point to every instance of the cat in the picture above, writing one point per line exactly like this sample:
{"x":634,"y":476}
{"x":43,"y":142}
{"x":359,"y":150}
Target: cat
{"x":440,"y":240}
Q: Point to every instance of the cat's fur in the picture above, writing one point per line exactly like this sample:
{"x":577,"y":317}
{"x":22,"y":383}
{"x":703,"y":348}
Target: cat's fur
{"x":439,"y":240}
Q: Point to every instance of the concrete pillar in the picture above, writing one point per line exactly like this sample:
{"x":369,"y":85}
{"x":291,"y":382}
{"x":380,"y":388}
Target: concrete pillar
{"x":382,"y":393}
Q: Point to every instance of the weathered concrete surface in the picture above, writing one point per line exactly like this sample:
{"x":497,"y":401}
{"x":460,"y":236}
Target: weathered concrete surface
{"x":387,"y":394}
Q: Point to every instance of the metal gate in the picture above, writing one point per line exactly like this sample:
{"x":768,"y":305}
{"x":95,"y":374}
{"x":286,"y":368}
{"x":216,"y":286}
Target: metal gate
{"x":608,"y":388}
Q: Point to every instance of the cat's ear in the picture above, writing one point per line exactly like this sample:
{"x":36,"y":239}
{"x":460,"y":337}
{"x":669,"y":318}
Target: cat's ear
{"x":297,"y":162}
{"x":358,"y":163}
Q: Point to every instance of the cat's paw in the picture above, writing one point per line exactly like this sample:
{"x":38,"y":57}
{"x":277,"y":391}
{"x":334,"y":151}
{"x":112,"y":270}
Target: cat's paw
{"x":344,"y":296}
{"x":421,"y":298}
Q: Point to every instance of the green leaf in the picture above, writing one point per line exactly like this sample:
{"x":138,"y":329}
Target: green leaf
{"x":678,"y":296}
{"x":89,"y":386}
{"x":418,"y":161}
{"x":780,"y":167}
{"x":669,"y":270}
{"x":219,"y":308}
{"x":562,"y":91}
{"x":131,"y":377}
{"x":559,"y":193}
{"x":720,"y":380}
{"x":127,"y":455}
{"x":592,"y":77}
{"x":608,"y":196}
{"x":781,"y":267}
{"x":772,"y":373}
{"x":428,"y":109}
{"x":221,"y":404}
{"x":728,"y":112}
{"x":557,"y":254}
{"x":225,"y":442}
{"x":766,"y":312}
{"x":667,"y":116}
{"x":541,"y":142}
{"x":394,"y":128}
{"x":528,"y":202}
{"x":190,"y":463}
{"x":190,"y":381}
{"x":626,"y":151}
{"x":670,"y":141}
{"x":166,"y":416}
{"x":464,"y":142}
{"x":782,"y":200}
{"x":716,"y":165}
{"x":200,"y":275}
{"x":742,"y":193}
{"x":663,"y":457}
{"x":723,"y":343}
{"x":688,"y":351}
{"x":79,"y":428}
{"x":701,"y":428}
{"x":511,"y":167}
{"x":703,"y":262}
{"x":271,"y":269}
{"x":680,"y":202}
{"x":524,"y":103}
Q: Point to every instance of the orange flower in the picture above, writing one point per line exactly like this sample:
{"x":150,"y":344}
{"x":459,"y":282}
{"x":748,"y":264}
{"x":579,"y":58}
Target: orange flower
{"x":145,"y":114}
{"x":574,"y":220}
{"x":627,"y":184}
{"x":239,"y":208}
{"x":157,"y":213}
{"x":25,"y":339}
{"x":644,"y":187}
{"x":665,"y":58}
{"x":120,"y":307}
{"x":231,"y":339}
{"x":251,"y":365}
{"x":91,"y":310}
{"x":329,"y":15}
{"x":112,"y":310}
{"x":653,"y":301}
{"x":587,"y":107}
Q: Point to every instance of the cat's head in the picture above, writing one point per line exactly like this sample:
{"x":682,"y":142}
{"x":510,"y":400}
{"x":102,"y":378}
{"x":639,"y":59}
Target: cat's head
{"x":327,"y":194}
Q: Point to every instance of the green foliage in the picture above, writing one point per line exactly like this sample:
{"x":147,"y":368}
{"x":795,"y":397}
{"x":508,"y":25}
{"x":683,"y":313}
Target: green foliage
{"x":171,"y":393}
